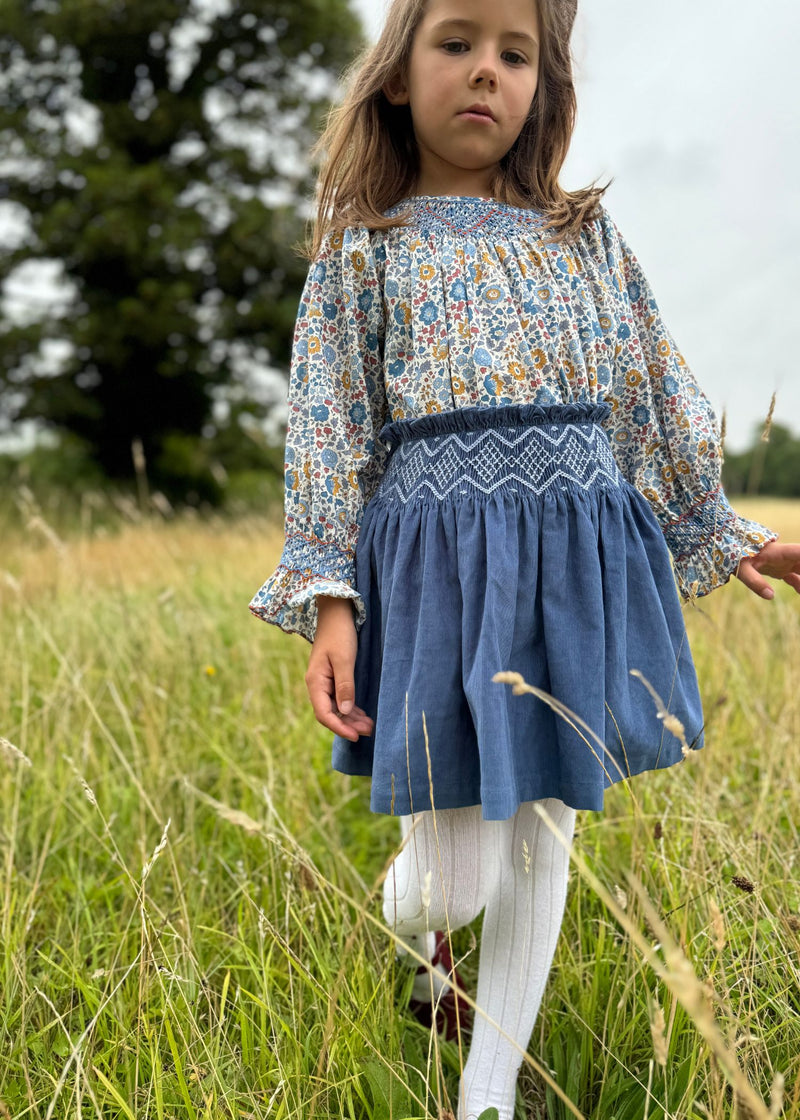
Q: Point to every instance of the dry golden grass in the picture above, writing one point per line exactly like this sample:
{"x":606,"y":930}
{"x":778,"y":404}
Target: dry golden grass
{"x":208,"y":986}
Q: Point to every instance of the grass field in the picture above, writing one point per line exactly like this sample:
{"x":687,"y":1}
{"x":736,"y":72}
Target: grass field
{"x":190,"y":897}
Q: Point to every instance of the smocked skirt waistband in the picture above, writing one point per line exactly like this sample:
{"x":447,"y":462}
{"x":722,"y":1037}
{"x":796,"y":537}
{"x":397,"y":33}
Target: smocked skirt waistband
{"x":503,"y":416}
{"x":481,"y":452}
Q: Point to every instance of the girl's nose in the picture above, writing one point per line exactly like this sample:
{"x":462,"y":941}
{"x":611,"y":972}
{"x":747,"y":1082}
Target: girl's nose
{"x":485,"y":73}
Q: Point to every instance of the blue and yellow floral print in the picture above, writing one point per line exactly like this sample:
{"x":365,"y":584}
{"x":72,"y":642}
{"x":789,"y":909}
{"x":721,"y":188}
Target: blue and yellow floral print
{"x":472,"y":304}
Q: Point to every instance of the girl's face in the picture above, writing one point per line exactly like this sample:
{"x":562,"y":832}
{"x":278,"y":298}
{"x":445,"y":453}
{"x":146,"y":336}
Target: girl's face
{"x":470,"y":84}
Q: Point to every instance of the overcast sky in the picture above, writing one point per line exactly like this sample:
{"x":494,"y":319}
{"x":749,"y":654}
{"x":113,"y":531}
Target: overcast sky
{"x":692,"y":106}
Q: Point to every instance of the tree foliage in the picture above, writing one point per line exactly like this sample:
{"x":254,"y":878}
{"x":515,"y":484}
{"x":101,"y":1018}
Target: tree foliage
{"x":771,"y":467}
{"x":156,"y":148}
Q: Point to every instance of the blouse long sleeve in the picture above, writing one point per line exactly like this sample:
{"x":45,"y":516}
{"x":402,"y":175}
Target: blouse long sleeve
{"x":666,"y":439}
{"x":337,"y":406}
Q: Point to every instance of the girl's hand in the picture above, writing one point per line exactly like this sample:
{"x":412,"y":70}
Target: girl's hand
{"x":776,"y":560}
{"x":329,"y":678}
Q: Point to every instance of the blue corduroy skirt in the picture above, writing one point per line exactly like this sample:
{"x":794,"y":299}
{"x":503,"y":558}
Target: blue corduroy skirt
{"x":505,"y":539}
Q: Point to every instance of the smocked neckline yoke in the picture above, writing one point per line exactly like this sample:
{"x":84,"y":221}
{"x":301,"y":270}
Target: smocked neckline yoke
{"x":468,"y":214}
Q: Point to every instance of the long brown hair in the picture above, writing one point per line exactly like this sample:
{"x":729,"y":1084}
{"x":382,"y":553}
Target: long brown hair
{"x":370,"y":153}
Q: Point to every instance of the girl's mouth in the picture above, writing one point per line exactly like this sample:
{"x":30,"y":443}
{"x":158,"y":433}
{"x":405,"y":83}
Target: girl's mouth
{"x":478,"y":113}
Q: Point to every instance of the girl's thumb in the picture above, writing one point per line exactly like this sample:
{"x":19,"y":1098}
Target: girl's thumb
{"x":344,"y":697}
{"x":344,"y":684}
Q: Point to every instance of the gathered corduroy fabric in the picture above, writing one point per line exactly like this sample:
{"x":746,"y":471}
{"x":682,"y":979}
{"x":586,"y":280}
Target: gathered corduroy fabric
{"x":506,"y":539}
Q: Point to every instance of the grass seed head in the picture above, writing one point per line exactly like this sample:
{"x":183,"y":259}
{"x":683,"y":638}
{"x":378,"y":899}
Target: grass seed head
{"x":87,"y":789}
{"x":14,"y":754}
{"x":516,"y":680}
{"x":658,"y":1028}
{"x":776,"y":1096}
{"x":159,"y":848}
{"x":717,"y":925}
{"x":670,"y":721}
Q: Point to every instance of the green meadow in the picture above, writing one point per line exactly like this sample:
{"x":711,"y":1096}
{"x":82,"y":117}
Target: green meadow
{"x":190,"y":919}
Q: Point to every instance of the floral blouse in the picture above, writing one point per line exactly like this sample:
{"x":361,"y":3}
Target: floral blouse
{"x":472,"y":304}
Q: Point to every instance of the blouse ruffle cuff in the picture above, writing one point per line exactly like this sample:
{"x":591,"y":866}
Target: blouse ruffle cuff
{"x":306,"y":569}
{"x":708,"y":541}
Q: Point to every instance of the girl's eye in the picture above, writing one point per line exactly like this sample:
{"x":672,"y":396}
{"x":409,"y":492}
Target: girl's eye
{"x":457,"y":46}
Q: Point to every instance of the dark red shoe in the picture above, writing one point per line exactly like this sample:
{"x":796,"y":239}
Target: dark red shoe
{"x":451,"y":1008}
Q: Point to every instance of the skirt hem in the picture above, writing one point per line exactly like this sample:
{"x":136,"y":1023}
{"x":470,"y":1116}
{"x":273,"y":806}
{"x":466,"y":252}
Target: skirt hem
{"x":496,"y":807}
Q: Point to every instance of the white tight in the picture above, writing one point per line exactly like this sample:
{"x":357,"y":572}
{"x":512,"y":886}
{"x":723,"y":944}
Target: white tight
{"x":517,"y":870}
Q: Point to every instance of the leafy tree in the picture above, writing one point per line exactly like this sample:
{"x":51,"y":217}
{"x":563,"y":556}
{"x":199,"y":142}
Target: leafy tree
{"x":766,"y":468}
{"x":156,"y":149}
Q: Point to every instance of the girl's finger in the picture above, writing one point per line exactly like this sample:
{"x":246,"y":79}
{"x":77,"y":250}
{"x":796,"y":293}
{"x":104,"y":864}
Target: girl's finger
{"x":320,"y":687}
{"x":348,"y":727}
{"x":345,"y":687}
{"x":359,"y":716}
{"x":753,"y":579}
{"x":328,"y":715}
{"x":326,"y":711}
{"x":361,"y":725}
{"x":794,"y":581}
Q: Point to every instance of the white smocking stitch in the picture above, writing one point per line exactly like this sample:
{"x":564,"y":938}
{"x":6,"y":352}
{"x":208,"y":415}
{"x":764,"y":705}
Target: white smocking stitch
{"x":486,"y":461}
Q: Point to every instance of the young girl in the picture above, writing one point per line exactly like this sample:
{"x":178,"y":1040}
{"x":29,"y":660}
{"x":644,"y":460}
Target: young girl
{"x":493,"y":449}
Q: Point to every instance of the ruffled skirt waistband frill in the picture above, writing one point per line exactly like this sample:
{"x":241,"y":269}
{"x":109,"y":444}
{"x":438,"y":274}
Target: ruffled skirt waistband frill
{"x":506,"y":539}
